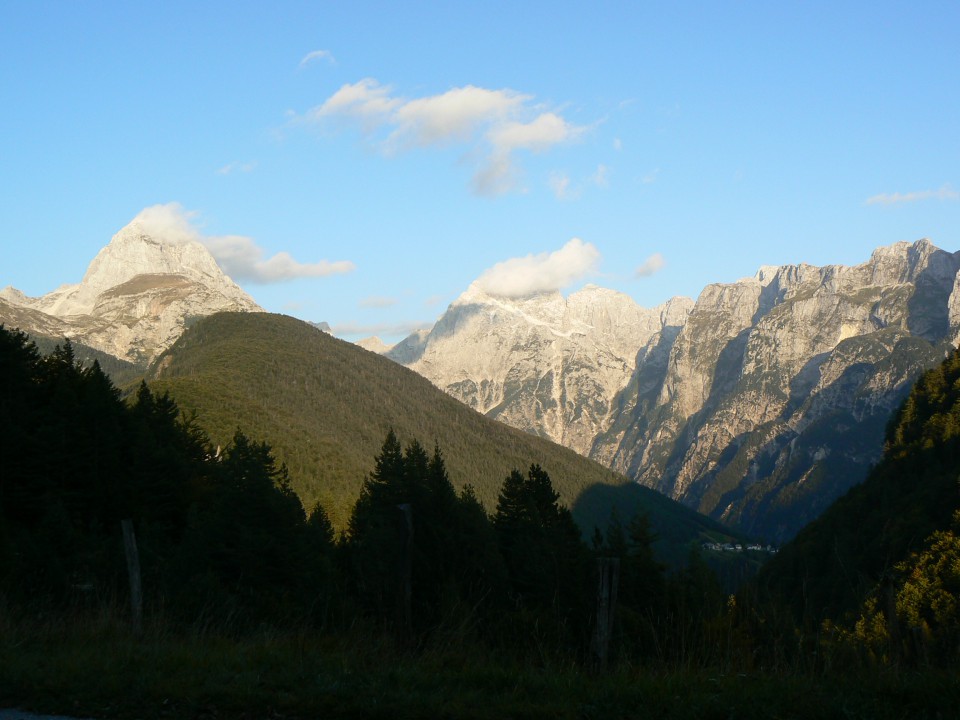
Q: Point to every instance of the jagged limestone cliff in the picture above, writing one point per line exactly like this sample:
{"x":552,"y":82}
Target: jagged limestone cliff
{"x":544,"y":363}
{"x":758,"y":405}
{"x":777,"y":389}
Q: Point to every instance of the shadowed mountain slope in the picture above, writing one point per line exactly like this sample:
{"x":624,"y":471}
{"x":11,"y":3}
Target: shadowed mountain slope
{"x":831,"y":565}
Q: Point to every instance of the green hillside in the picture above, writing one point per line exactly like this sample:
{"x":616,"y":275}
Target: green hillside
{"x":326,"y":405}
{"x":839,"y":559}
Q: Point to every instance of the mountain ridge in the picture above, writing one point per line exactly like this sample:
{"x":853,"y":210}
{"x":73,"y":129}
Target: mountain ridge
{"x":757,"y":404}
{"x":595,"y":333}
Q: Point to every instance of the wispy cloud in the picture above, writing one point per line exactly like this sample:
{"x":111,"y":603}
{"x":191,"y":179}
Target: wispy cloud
{"x":601,"y":178}
{"x":651,"y":266}
{"x":518,"y":277}
{"x":565,"y":188}
{"x":376,"y":301}
{"x":317,"y":55}
{"x":560,"y":184}
{"x":242,"y":259}
{"x":238,"y":255}
{"x":944,"y":193}
{"x":493,"y":125}
{"x":237,"y":167}
{"x":650,"y":177}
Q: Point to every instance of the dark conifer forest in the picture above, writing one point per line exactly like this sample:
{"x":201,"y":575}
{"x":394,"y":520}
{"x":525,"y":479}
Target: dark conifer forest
{"x":425,"y":580}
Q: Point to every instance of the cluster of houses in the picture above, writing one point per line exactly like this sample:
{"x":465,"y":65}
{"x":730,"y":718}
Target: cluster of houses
{"x":737,"y":547}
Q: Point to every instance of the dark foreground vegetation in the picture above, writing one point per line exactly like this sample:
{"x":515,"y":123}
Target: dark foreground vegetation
{"x":92,"y":667}
{"x":425,"y":606}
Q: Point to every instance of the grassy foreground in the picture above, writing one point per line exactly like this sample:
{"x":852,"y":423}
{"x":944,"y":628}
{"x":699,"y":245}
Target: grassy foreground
{"x":96,"y":669}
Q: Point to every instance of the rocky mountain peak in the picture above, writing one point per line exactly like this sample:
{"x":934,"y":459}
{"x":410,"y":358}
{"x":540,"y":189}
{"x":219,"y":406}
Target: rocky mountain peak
{"x":541,"y":362}
{"x":137,"y":293}
{"x":674,"y":312}
{"x":904,"y":262}
{"x":133,"y":251}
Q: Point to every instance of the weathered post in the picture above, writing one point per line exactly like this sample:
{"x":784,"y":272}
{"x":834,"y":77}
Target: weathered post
{"x":133,"y":571}
{"x":608,"y":570}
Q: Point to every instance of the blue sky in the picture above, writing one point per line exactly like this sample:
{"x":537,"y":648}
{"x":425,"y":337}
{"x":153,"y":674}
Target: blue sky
{"x":362,"y":163}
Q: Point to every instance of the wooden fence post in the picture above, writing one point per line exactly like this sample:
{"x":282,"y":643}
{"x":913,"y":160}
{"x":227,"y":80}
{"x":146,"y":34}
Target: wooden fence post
{"x":609,"y":581}
{"x":133,"y":571}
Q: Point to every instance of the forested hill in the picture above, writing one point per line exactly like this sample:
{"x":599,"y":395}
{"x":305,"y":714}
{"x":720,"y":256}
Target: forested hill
{"x":325,"y":405}
{"x":867,"y":536}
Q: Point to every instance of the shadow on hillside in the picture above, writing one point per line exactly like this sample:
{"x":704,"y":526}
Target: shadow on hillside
{"x":676,"y":528}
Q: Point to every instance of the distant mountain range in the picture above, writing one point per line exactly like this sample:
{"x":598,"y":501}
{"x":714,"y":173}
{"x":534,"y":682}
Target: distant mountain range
{"x":758,"y":404}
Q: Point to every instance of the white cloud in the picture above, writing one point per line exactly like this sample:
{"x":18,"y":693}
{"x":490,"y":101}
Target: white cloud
{"x":650,"y":177}
{"x":242,"y":259}
{"x":493,"y":125}
{"x":317,"y":55}
{"x":944,"y":193}
{"x":546,"y":130}
{"x":376,"y":301}
{"x":366,"y":100}
{"x":237,"y":166}
{"x":544,"y":272}
{"x":453,"y":115}
{"x":650,"y":266}
{"x":169,"y":223}
{"x":237,"y":255}
{"x":617,"y":144}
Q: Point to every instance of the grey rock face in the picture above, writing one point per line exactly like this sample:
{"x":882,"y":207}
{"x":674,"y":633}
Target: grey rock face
{"x":758,"y":405}
{"x":545,"y":364}
{"x":778,"y":387}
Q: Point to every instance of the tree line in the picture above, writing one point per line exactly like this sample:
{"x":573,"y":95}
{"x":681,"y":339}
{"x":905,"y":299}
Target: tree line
{"x":224,"y":542}
{"x":222,"y":538}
